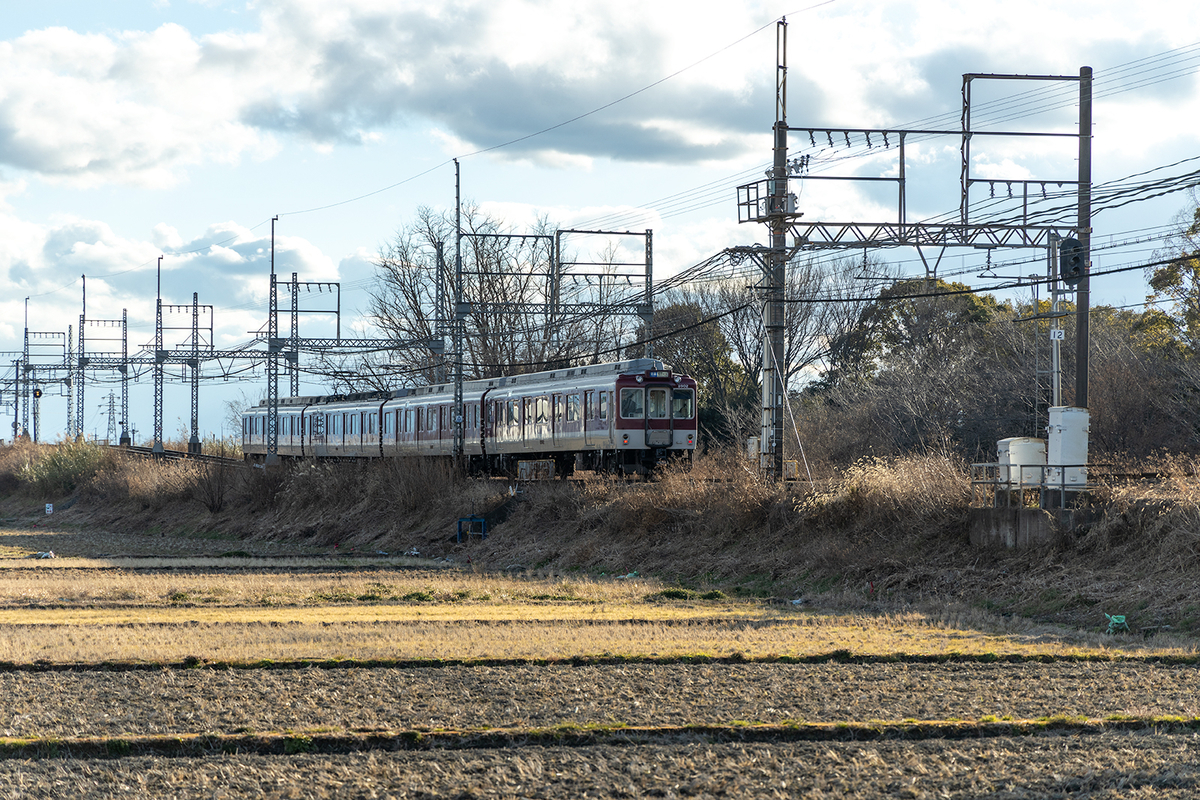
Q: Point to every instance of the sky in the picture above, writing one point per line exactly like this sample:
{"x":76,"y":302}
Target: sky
{"x":180,"y":128}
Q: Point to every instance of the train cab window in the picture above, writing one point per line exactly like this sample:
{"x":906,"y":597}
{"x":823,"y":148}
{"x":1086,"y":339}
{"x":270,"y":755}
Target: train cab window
{"x":657,"y":406}
{"x":683,"y":404}
{"x":602,"y":411}
{"x":633,"y":403}
{"x":572,"y":408}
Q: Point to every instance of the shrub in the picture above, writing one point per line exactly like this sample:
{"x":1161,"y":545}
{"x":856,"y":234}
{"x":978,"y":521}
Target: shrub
{"x":56,"y":470}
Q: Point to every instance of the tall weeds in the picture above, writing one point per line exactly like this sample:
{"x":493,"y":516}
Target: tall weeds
{"x":50,"y":471}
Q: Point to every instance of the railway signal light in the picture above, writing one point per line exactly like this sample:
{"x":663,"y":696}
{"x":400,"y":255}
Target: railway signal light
{"x":1070,"y":261}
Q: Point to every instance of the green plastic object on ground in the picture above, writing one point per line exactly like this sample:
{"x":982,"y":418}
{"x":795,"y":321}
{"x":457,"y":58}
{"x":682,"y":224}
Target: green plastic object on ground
{"x":1116,"y":622}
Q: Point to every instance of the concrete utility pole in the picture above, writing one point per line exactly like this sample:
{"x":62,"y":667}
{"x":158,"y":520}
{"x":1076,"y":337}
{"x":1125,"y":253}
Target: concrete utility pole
{"x":1084,"y":234}
{"x":774,"y":392}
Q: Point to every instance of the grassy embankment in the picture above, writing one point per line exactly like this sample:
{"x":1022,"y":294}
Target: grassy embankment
{"x":877,"y":536}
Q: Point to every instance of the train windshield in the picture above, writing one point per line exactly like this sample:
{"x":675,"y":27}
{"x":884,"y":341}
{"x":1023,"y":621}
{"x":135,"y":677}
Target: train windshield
{"x":633,"y":403}
{"x":683,"y":404}
{"x":657,"y":405}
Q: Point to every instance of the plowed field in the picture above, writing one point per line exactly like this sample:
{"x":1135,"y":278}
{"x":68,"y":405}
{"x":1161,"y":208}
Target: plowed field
{"x":1101,"y":721}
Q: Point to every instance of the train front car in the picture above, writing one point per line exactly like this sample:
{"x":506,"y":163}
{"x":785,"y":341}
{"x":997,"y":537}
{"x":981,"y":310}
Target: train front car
{"x":655,"y":420}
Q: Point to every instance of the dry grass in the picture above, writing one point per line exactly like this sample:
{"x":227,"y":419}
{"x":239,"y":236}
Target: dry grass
{"x":249,"y":614}
{"x":288,"y":582}
{"x":371,"y":633}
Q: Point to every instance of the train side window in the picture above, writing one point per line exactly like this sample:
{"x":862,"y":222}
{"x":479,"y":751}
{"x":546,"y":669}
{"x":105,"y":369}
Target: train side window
{"x":633,"y":403}
{"x":572,"y":408}
{"x":527,"y":413}
{"x":657,"y":407}
{"x":557,"y":403}
{"x":542,"y":407}
{"x":603,"y":410}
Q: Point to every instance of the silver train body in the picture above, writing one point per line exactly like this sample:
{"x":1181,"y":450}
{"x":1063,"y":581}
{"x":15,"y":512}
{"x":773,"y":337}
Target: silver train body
{"x":625,"y":416}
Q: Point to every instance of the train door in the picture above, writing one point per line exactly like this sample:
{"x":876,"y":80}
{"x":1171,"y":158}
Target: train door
{"x":589,"y":409}
{"x":573,"y":424}
{"x":557,"y":418}
{"x":659,"y":426}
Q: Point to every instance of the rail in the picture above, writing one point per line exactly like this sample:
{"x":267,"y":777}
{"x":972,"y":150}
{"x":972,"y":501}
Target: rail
{"x":177,"y":455}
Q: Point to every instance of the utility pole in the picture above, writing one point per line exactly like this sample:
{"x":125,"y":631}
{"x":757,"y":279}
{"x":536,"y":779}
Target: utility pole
{"x":293,"y":347}
{"x":81,"y":360}
{"x":439,"y":314}
{"x":69,"y":363}
{"x":774,"y":393}
{"x":126,"y":440}
{"x":25,"y":376}
{"x":194,"y":365}
{"x":1084,"y":234}
{"x":273,"y":362}
{"x":160,"y":356}
{"x":460,"y":315}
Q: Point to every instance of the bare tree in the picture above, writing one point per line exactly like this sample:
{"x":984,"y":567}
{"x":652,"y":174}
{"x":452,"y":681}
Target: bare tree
{"x":518,"y":313}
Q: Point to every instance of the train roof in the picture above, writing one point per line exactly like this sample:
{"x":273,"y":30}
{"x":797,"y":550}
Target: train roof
{"x":630,"y":366}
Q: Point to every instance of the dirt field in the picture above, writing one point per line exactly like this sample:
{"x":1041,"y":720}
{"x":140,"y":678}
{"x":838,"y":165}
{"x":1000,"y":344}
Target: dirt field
{"x":657,"y":729}
{"x":196,"y":701}
{"x":1106,"y":766}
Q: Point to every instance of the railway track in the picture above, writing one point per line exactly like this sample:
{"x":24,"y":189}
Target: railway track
{"x":177,"y":455}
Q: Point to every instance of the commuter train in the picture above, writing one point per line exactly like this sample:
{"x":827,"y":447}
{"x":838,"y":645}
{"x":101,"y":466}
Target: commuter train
{"x":626,"y":416}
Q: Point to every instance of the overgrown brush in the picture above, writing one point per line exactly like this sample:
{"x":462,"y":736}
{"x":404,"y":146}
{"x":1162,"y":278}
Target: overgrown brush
{"x":927,"y":493}
{"x":50,"y":471}
{"x":149,"y":483}
{"x":1159,"y":515}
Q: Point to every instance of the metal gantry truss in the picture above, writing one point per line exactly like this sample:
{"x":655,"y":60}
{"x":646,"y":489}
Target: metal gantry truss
{"x":769,"y":201}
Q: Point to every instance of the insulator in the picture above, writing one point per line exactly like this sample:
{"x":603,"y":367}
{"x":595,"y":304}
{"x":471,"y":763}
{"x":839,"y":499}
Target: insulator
{"x":812,"y":139}
{"x":1009,"y":184}
{"x":886,"y":143}
{"x":847,"y":135}
{"x":830,"y":135}
{"x":868,"y":135}
{"x":991,"y":189}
